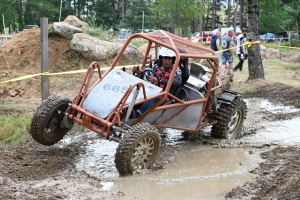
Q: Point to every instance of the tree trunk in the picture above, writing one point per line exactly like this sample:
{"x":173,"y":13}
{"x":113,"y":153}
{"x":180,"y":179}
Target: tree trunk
{"x":242,"y":24}
{"x":113,"y":5}
{"x":256,"y":69}
{"x":235,"y":15}
{"x":213,"y":14}
{"x":228,"y":13}
{"x":19,"y":6}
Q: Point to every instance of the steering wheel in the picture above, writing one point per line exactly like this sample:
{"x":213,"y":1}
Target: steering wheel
{"x":148,"y":72}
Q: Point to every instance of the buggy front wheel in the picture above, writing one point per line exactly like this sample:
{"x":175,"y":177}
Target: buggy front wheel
{"x":45,"y":124}
{"x":138,"y":149}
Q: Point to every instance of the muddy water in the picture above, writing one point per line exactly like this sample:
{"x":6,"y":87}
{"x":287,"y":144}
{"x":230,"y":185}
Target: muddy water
{"x":192,"y":170}
{"x":284,"y":133}
{"x":279,"y":132}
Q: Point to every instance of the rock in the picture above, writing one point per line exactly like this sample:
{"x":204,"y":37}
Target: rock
{"x":64,"y":29}
{"x":12,"y":93}
{"x":69,"y":26}
{"x":274,"y":53}
{"x":264,"y":52}
{"x":131,"y":54}
{"x":93,"y":48}
{"x":74,"y":21}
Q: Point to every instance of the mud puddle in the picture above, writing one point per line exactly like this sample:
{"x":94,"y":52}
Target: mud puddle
{"x":283,"y":133}
{"x":187,"y":167}
{"x":275,"y":124}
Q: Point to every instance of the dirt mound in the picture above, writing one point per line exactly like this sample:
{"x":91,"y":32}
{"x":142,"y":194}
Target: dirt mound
{"x":23,"y":52}
{"x":279,"y":93}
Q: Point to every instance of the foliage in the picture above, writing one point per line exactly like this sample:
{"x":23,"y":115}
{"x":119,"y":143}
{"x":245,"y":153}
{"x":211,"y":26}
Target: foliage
{"x":136,"y":9}
{"x":169,"y":15}
{"x":292,"y":16}
{"x":270,"y":16}
{"x":174,"y":14}
{"x":14,"y":129}
{"x":105,"y":16}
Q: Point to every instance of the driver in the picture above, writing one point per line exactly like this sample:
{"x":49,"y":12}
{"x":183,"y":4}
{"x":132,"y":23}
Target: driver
{"x":163,"y":71}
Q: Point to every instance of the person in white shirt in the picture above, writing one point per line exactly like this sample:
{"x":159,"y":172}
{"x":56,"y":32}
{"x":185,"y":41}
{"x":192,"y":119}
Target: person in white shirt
{"x":240,"y":49}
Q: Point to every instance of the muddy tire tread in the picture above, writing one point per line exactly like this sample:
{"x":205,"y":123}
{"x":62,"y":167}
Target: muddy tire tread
{"x":40,"y":116}
{"x":127,"y":145}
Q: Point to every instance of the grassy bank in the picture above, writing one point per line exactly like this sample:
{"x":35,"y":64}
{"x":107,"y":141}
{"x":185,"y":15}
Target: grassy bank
{"x":14,"y":129}
{"x":275,"y":71}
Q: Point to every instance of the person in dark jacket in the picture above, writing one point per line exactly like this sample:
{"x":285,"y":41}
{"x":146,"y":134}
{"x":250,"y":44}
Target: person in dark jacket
{"x":215,"y":41}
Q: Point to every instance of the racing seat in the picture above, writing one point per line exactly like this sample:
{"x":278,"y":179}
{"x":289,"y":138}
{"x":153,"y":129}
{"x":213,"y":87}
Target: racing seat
{"x":185,"y":74}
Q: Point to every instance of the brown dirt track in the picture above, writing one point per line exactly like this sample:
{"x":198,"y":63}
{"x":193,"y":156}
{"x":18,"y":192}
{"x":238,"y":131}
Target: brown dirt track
{"x":48,"y":171}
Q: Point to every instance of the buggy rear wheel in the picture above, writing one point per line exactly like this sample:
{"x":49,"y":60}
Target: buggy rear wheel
{"x":138,"y":149}
{"x":230,"y":119}
{"x":45,"y":123}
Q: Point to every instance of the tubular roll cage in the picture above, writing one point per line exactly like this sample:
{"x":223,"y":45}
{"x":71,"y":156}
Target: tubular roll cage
{"x":106,"y":126}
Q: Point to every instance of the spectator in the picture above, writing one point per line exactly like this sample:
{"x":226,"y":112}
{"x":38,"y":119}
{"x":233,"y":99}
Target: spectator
{"x":240,"y":49}
{"x":228,"y":53}
{"x":215,"y":41}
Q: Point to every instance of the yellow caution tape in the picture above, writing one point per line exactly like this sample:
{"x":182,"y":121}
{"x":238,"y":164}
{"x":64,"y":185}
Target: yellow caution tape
{"x":58,"y":73}
{"x":126,"y":66}
{"x":280,"y":46}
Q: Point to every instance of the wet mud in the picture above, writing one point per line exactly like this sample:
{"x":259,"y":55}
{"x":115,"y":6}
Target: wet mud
{"x":262,"y":164}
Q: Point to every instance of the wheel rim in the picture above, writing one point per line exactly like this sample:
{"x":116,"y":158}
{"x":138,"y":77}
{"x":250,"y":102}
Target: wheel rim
{"x":143,"y":153}
{"x":54,"y":121}
{"x":234,"y":123}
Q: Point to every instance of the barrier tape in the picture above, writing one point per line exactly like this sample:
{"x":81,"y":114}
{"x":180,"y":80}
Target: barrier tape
{"x":280,"y":46}
{"x":246,"y":43}
{"x":58,"y":73}
{"x":126,"y":66}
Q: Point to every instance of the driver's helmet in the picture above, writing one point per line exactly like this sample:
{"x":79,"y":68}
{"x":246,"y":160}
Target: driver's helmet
{"x":165,"y":52}
{"x":244,"y":56}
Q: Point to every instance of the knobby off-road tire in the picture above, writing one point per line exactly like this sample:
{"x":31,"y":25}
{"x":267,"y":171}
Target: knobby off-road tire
{"x":230,"y":119}
{"x":45,"y":123}
{"x":138,"y":149}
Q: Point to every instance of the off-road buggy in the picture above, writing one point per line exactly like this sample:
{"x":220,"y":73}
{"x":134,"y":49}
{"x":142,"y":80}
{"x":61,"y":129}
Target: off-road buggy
{"x":108,"y":106}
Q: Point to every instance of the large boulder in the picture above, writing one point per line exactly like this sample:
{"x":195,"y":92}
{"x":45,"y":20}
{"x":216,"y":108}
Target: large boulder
{"x":131,"y":54}
{"x":264,"y":52}
{"x":74,"y":21}
{"x":64,"y":29}
{"x":93,"y":48}
{"x":274,"y":53}
{"x":70,"y":26}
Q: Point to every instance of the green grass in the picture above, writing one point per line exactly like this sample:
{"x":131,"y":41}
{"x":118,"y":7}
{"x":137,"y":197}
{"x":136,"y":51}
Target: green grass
{"x":14,"y":129}
{"x":138,"y":42}
{"x":275,"y":71}
{"x":4,"y":106}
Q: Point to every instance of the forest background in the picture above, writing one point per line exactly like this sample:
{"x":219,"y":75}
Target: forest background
{"x":182,"y":17}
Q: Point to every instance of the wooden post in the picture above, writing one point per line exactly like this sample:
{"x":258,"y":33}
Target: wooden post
{"x":44,"y":57}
